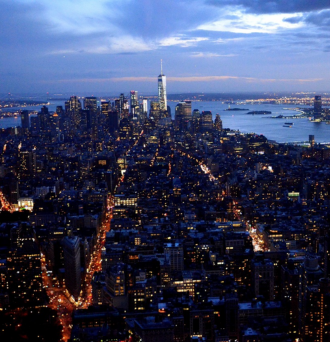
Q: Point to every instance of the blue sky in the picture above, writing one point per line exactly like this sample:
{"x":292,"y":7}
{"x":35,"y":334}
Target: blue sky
{"x":114,"y":46}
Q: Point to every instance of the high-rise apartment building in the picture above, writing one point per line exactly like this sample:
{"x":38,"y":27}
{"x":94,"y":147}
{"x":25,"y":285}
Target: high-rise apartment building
{"x":263,"y":279}
{"x":27,"y":163}
{"x":316,"y":312}
{"x":162,"y":97}
{"x":24,"y":281}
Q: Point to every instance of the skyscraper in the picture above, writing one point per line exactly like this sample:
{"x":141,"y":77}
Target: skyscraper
{"x":207,"y":122}
{"x":196,"y":120}
{"x":218,"y":123}
{"x":183,"y":114}
{"x":72,"y":264}
{"x":113,"y":120}
{"x":154,"y":111}
{"x":122,"y":103}
{"x":134,"y":104}
{"x":90,"y":103}
{"x":75,"y":111}
{"x":25,"y":120}
{"x":43,"y":118}
{"x":162,"y":98}
{"x":145,"y":105}
{"x":317,"y":108}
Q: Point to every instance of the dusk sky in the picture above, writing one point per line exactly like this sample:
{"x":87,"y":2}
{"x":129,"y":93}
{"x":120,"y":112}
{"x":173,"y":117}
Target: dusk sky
{"x":115,"y":46}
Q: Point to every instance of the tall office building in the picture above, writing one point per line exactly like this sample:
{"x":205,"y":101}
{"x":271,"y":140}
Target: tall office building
{"x":218,"y":123}
{"x":90,"y":103}
{"x":72,"y":265}
{"x":105,"y":107}
{"x":154,"y":111}
{"x":25,"y":120}
{"x":145,"y":106}
{"x":43,"y":118}
{"x":183,"y":114}
{"x":122,"y":102}
{"x":207,"y":122}
{"x":90,"y":115}
{"x":143,"y":110}
{"x":162,"y":97}
{"x":196,"y":120}
{"x":113,"y":120}
{"x":134,"y":104}
{"x":317,"y":108}
{"x":35,"y":124}
{"x":123,"y":107}
{"x":74,"y":104}
{"x":117,"y":105}
{"x":74,"y":107}
{"x":134,"y":99}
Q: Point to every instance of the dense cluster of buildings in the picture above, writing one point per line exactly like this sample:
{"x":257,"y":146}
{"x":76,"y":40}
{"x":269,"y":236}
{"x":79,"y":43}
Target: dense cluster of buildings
{"x":202,"y":233}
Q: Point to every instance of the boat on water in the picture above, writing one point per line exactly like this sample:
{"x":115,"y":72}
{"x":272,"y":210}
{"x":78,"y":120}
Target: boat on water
{"x":288,"y":124}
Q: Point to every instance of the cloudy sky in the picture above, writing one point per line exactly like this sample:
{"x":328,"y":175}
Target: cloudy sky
{"x":115,"y":46}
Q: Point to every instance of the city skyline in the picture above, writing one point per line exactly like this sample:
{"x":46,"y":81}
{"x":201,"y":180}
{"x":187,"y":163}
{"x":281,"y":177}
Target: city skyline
{"x":211,"y":46}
